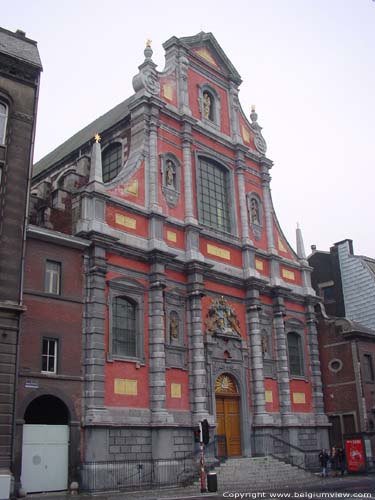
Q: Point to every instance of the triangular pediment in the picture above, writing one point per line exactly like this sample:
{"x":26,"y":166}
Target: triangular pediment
{"x":205,"y":47}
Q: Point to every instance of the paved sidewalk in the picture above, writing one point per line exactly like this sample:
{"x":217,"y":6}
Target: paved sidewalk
{"x":190,"y":492}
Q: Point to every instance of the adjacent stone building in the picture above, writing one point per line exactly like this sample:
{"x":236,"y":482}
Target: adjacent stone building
{"x":20,"y":68}
{"x":196,"y":307}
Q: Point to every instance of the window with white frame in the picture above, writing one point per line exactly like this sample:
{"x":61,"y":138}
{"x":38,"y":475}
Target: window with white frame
{"x":3,"y":121}
{"x":52,"y":279}
{"x":49,"y":355}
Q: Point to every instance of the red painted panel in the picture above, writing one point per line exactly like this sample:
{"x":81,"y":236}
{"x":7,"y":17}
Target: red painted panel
{"x":246,"y":133}
{"x":271,"y":385}
{"x":168,"y":89}
{"x":224,"y":289}
{"x":235,"y":255}
{"x":176,"y":276}
{"x":292,"y":306}
{"x":141,"y":228}
{"x":125,"y":370}
{"x":305,"y":387}
{"x":297,"y":275}
{"x":194,"y":80}
{"x":117,"y":260}
{"x":133,"y":189}
{"x":180,"y":237}
{"x":173,"y":375}
{"x":266,"y":267}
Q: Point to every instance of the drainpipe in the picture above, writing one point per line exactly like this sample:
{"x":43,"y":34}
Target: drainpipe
{"x":21,"y":282}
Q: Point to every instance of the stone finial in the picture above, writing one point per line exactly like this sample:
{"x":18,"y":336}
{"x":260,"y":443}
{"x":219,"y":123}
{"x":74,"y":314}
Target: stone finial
{"x":253,"y":114}
{"x":300,"y":245}
{"x":148,"y":50}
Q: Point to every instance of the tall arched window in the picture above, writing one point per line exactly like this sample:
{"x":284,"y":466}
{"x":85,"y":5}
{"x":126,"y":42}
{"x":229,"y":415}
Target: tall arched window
{"x":3,"y":121}
{"x":111,"y":161}
{"x":213,"y":187}
{"x":124,"y":334}
{"x":295,"y":354}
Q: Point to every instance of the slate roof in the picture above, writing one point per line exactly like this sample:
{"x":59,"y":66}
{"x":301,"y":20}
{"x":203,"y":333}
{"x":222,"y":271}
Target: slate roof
{"x":353,"y":327}
{"x":20,"y":47}
{"x":102,"y":123}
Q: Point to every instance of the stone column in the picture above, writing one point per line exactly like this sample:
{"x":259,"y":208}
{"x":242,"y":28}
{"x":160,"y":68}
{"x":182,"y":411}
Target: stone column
{"x":256,"y":356}
{"x":157,"y":383}
{"x":282,"y":367}
{"x":94,"y":333}
{"x":243,"y":205}
{"x":197,"y":366}
{"x":316,"y":375}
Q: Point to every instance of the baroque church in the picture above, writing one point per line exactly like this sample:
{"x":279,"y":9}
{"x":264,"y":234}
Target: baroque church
{"x":195,"y":306}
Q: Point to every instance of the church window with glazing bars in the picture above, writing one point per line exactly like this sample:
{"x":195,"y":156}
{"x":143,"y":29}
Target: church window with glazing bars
{"x":214,"y":195}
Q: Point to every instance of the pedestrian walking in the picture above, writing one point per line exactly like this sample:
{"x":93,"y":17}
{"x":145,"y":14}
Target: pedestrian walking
{"x":333,"y":458}
{"x":341,"y":460}
{"x":323,"y":460}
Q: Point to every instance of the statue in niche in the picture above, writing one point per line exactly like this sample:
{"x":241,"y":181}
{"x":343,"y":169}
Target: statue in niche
{"x":222,"y":318}
{"x":264,"y":345}
{"x":254,"y":211}
{"x":173,"y":326}
{"x":170,"y":174}
{"x":207,"y":106}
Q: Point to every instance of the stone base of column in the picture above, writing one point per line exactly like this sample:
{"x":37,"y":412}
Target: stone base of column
{"x":263,"y":419}
{"x":288,"y":419}
{"x":321,"y":419}
{"x":161,"y":417}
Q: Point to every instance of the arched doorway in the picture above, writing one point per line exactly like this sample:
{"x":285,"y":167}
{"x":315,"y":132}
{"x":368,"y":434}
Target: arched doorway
{"x":45,"y":446}
{"x":228,"y":416}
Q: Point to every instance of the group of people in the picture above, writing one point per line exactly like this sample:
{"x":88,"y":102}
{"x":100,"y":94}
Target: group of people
{"x":335,"y":461}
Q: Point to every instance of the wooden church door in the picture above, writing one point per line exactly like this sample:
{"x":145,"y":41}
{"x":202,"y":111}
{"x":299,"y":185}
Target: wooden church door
{"x":228,"y":417}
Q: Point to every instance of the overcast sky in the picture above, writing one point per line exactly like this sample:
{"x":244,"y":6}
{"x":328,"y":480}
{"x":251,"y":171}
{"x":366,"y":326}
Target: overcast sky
{"x":308,"y":65}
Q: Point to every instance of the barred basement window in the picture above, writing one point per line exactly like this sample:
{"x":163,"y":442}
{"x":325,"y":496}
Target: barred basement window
{"x":214,"y":195}
{"x":111,"y":161}
{"x":124,"y":327}
{"x":49,"y":355}
{"x":295,"y":354}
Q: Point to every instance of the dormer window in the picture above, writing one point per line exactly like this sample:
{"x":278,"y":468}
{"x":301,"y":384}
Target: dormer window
{"x":209,"y":102}
{"x":111,"y":161}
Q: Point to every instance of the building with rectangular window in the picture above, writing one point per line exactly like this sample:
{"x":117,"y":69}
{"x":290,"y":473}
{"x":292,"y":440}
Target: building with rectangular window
{"x":196,"y":307}
{"x":50,"y":374}
{"x":20,"y":69}
{"x":345,"y":283}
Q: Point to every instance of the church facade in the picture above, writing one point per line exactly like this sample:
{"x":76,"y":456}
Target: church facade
{"x":196,"y":307}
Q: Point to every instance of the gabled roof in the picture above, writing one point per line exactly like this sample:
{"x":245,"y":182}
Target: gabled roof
{"x":102,"y":123}
{"x":18,"y":46}
{"x":350,"y":327}
{"x":208,"y":40}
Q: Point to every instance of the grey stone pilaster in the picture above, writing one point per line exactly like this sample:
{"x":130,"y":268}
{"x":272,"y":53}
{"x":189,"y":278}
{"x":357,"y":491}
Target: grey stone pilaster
{"x":198,"y":377}
{"x":268,"y":210}
{"x":183,"y":91}
{"x":156,"y":345}
{"x":94,"y":332}
{"x":153,"y":165}
{"x":188,"y":183}
{"x":316,"y":375}
{"x":256,"y":355}
{"x":282,"y":368}
{"x":234,"y":107}
{"x":243,"y":205}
